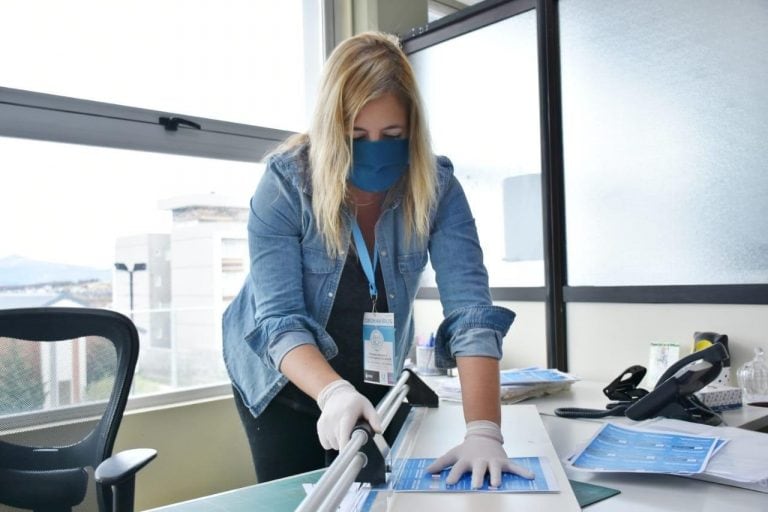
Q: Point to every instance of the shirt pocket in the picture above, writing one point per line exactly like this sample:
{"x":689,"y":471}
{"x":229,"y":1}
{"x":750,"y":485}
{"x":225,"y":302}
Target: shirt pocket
{"x":414,"y":262}
{"x":316,"y":261}
{"x":411,"y":266}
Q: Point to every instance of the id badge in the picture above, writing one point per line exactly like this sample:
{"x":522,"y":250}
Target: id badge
{"x":379,"y":348}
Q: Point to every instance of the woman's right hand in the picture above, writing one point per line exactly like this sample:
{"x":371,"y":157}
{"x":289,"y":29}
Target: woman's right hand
{"x":342,"y":406}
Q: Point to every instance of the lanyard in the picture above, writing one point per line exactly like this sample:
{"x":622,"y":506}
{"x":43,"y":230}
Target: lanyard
{"x":365,"y":260}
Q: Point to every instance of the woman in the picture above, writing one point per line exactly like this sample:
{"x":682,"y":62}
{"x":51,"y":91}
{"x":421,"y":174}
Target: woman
{"x":340,"y":230}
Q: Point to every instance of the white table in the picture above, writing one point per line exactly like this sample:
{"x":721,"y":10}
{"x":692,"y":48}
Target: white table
{"x":589,"y":395}
{"x":526,"y":433}
{"x":433,"y":431}
{"x":641,"y":492}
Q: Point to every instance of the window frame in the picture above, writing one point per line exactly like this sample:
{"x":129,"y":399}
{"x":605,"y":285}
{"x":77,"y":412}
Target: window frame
{"x":93,"y":411}
{"x":454,"y":25}
{"x":44,"y":117}
{"x":47,"y":117}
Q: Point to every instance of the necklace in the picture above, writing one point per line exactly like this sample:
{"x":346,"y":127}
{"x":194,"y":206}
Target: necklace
{"x":360,"y":199}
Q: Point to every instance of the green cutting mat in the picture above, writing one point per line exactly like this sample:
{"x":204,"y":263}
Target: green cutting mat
{"x":275,"y":496}
{"x":587,"y":494}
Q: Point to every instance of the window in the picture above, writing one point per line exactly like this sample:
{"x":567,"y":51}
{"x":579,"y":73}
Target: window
{"x":82,"y":210}
{"x":235,"y":60}
{"x":485,"y":117}
{"x":57,"y":374}
{"x":108,"y":209}
{"x":437,"y":9}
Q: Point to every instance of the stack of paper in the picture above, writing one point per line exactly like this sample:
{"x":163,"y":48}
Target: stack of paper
{"x":726,"y":455}
{"x":634,"y":450}
{"x":355,"y":500}
{"x":410,"y":475}
{"x":517,"y":384}
{"x":740,"y":463}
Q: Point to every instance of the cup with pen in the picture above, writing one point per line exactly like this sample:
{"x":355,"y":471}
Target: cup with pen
{"x":425,"y":357}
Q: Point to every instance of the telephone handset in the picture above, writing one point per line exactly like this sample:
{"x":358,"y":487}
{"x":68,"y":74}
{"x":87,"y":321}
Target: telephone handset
{"x":673,"y":396}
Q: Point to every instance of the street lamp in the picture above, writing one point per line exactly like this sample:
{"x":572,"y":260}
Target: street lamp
{"x":136,"y":268}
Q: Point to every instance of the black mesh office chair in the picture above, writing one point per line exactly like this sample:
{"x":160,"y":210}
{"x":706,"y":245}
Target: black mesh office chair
{"x":51,"y":360}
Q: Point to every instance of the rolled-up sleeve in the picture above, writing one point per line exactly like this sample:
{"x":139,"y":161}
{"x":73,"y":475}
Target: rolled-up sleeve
{"x":472,"y":331}
{"x":472,"y":325}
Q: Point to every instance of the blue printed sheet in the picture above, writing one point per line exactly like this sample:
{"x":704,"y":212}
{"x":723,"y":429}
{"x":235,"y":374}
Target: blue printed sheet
{"x":622,"y":449}
{"x":410,"y":475}
{"x":534,"y":375}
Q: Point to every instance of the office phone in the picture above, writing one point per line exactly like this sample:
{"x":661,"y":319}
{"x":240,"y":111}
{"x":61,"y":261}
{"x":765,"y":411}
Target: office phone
{"x":672,"y":396}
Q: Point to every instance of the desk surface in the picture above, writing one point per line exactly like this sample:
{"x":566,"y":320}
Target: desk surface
{"x":432,"y":432}
{"x":589,"y":395}
{"x":645,"y":492}
{"x":648,"y":492}
{"x":524,"y":436}
{"x":639,"y":492}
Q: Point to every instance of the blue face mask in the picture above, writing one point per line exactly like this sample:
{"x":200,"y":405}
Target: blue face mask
{"x":376,"y":166}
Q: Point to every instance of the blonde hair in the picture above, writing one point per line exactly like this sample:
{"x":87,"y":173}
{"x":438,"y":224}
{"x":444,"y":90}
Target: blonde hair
{"x":360,"y":69}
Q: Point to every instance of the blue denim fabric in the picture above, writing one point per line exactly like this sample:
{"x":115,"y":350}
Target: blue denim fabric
{"x":287,"y":297}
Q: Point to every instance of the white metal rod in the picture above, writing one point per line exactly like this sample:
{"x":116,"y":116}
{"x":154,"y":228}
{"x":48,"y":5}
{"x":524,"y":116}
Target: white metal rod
{"x":337,"y":492}
{"x":332,"y":475}
{"x":393,"y":399}
{"x":341,"y":473}
{"x":387,"y":416}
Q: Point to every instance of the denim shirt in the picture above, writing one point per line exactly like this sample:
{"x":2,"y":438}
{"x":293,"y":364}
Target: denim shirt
{"x":286,"y":300}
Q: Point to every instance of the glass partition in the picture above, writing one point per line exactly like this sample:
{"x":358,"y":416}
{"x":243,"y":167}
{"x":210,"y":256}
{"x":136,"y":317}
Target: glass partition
{"x":481,"y":96}
{"x":665,"y":118}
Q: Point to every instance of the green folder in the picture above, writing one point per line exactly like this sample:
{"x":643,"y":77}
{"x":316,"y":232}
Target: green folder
{"x":587,"y":494}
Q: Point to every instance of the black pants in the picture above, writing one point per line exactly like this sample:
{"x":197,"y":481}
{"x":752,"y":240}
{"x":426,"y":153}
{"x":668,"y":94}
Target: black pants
{"x":284,"y":441}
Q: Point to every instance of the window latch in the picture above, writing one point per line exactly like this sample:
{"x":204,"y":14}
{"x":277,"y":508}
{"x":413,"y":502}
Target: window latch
{"x":171,"y":124}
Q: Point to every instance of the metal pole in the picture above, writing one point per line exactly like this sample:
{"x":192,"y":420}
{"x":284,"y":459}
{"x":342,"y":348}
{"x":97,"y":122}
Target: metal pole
{"x":330,"y":489}
{"x":331,"y":485}
{"x":338,"y":491}
{"x":552,"y":182}
{"x":130,"y":291}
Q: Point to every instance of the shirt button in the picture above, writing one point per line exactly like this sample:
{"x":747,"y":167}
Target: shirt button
{"x":330,"y":294}
{"x":383,"y":253}
{"x":391,"y":295}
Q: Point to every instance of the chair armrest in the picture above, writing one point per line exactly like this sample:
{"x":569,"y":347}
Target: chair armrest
{"x":123,"y":465}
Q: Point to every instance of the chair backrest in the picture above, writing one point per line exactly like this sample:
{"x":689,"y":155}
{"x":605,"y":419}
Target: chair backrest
{"x":54,"y":360}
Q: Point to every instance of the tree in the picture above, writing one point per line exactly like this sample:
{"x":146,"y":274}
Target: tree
{"x":21,"y":383}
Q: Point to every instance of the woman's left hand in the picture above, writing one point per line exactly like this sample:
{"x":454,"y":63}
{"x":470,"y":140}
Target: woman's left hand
{"x":481,"y":452}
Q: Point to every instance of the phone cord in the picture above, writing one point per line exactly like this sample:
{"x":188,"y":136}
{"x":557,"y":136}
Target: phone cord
{"x":616,"y":409}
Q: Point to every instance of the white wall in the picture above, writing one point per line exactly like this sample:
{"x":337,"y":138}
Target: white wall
{"x":525,"y":343}
{"x":202,"y":449}
{"x":604,"y":339}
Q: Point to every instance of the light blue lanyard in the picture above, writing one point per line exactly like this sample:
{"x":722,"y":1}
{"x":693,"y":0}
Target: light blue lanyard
{"x":365,"y":260}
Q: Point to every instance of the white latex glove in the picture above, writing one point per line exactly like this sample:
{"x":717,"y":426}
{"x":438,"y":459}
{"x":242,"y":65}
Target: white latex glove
{"x":341,"y":407}
{"x":481,"y":452}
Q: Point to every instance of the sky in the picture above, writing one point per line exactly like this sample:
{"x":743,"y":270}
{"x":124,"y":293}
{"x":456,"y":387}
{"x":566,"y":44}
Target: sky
{"x":233,"y":60}
{"x":68,"y":203}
